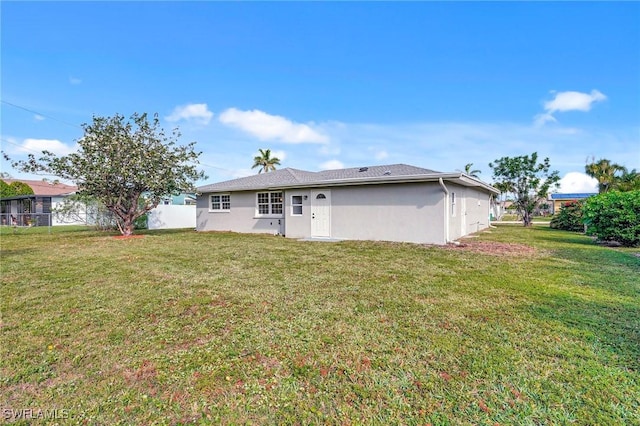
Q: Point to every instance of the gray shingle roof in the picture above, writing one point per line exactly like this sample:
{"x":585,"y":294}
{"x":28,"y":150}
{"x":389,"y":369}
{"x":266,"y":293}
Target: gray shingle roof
{"x":292,"y":177}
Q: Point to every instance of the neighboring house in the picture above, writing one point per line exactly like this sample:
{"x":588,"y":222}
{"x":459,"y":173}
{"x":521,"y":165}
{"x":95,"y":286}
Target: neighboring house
{"x":175,"y":211}
{"x":36,"y":209}
{"x":560,"y":199}
{"x":185,"y":199}
{"x":389,"y":203}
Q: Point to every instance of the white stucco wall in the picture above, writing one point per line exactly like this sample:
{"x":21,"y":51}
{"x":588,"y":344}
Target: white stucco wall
{"x":78,"y":217}
{"x":470,"y":213}
{"x":241,"y":218}
{"x":393,"y":212}
{"x":298,"y":226}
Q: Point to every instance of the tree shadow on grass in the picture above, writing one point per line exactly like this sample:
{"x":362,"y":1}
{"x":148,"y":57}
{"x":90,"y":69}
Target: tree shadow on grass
{"x":580,"y":248}
{"x":566,"y":237}
{"x":7,"y":253}
{"x":615,"y":327}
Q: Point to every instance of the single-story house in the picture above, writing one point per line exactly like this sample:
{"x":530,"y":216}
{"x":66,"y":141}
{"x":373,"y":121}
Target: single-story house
{"x":560,"y":199}
{"x":36,"y":209}
{"x":397,"y":202}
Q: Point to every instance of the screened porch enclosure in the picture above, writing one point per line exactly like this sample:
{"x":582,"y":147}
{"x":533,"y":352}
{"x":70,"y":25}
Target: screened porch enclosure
{"x":26,"y":211}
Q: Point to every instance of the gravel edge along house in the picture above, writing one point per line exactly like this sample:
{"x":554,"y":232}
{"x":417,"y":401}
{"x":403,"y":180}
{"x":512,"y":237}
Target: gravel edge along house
{"x":396,"y":202}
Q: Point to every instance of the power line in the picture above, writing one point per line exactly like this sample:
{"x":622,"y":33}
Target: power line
{"x":20,"y":146}
{"x":40,"y":114}
{"x":215,"y":167}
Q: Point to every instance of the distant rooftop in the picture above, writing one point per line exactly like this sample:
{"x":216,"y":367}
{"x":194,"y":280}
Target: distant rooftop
{"x":46,"y":188}
{"x":573,"y":196}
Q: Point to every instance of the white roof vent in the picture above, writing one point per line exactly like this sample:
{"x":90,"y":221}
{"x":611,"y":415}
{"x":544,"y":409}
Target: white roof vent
{"x":387,"y":172}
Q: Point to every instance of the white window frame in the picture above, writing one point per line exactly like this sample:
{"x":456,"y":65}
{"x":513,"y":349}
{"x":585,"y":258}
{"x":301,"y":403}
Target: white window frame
{"x":293,"y":205}
{"x":270,"y":204}
{"x":220,"y":202}
{"x":453,"y":204}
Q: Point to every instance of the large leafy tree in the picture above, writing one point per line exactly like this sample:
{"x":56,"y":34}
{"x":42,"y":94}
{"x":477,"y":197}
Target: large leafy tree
{"x":527,"y":179}
{"x":605,"y":172}
{"x":127,"y":165}
{"x":265,"y":161}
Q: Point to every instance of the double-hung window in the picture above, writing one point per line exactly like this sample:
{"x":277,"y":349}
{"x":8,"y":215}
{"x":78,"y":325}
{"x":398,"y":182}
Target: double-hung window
{"x":296,"y":205}
{"x":270,"y":204}
{"x":220,"y":203}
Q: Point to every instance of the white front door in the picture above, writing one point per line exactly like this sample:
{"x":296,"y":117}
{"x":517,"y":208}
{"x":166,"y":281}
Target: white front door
{"x":321,"y":213}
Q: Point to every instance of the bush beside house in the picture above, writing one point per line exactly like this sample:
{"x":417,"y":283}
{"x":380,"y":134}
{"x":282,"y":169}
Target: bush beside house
{"x":570,"y":217}
{"x":614,"y":216}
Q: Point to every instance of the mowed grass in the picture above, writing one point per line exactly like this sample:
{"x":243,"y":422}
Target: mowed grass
{"x":522,"y":326}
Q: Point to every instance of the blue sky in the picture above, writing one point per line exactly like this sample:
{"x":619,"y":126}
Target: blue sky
{"x":329,"y":85}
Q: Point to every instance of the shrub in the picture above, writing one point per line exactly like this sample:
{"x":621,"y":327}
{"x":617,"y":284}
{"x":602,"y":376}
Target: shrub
{"x":21,"y":188}
{"x":141,"y":222}
{"x":6,"y":190}
{"x":569,"y":218}
{"x":614,"y":216}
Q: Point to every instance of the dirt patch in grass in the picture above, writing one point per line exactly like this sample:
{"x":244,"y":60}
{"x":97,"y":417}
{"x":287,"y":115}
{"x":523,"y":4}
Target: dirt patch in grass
{"x":495,"y":248}
{"x":127,"y":237}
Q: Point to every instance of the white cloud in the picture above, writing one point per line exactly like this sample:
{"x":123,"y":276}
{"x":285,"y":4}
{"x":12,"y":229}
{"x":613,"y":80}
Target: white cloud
{"x":281,"y":155}
{"x":381,"y":155}
{"x":574,"y":182}
{"x":38,"y":117}
{"x":32,"y":146}
{"x":541,"y":119}
{"x":268,"y":127}
{"x":329,"y":150}
{"x":238,"y":173}
{"x":74,"y":80}
{"x":568,"y":101}
{"x":332,"y":165}
{"x":198,"y":113}
{"x":573,"y":101}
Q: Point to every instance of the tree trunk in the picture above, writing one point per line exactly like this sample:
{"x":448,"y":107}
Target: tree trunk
{"x":127,"y":227}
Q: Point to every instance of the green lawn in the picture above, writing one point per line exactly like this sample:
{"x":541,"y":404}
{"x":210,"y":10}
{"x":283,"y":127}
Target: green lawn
{"x":520,"y":326}
{"x":516,"y":218}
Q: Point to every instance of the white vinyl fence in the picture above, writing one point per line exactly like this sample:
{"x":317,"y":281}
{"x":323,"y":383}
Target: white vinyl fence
{"x":172,"y":217}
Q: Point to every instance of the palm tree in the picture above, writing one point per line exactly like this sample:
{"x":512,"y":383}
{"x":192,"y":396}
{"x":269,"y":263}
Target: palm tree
{"x":628,"y":181}
{"x":265,"y":161}
{"x":604,"y":172}
{"x":472,"y":173}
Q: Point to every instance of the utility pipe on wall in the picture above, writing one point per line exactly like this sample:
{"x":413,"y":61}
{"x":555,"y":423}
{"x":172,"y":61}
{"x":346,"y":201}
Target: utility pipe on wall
{"x":446,"y":211}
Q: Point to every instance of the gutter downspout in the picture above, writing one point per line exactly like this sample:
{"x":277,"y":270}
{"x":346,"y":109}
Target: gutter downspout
{"x":446,"y":210}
